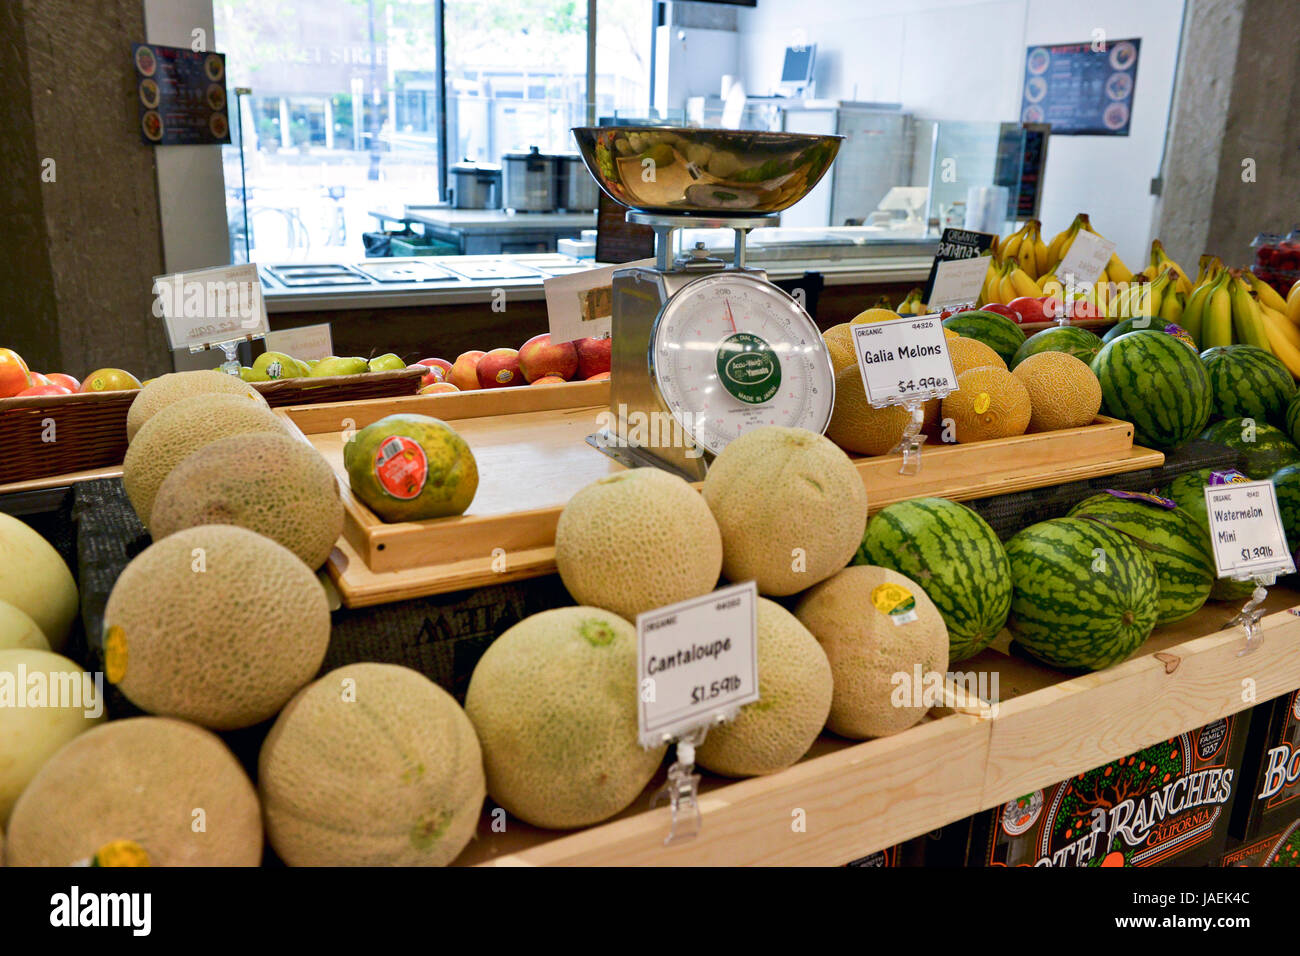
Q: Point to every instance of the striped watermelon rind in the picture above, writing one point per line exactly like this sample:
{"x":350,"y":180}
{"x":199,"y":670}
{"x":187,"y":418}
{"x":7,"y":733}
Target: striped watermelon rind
{"x":953,"y":554}
{"x":1173,"y":542}
{"x":1248,"y":382}
{"x":1071,"y":339}
{"x":1286,"y":482}
{"x":1156,"y":382}
{"x":1188,"y":490}
{"x":1066,"y":613}
{"x":1259,"y":458}
{"x":1291,"y":419}
{"x":996,"y":331}
{"x":1135,"y":324}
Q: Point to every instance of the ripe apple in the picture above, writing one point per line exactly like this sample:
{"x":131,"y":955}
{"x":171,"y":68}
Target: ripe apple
{"x":599,"y":377}
{"x":464,"y":373}
{"x":593,"y":356}
{"x":438,"y":368}
{"x":1053,"y":308}
{"x":1030,"y":309}
{"x":39,"y":379}
{"x":388,"y":362}
{"x":109,"y":380}
{"x":1006,"y":310}
{"x":67,"y":381}
{"x":14,"y":376}
{"x":438,"y":388}
{"x":499,"y":369}
{"x":1082,"y":309}
{"x":47,"y":389}
{"x":540,"y":358}
{"x":548,"y":380}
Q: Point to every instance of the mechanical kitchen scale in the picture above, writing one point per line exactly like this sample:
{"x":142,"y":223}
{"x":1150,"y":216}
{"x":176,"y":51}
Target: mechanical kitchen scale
{"x":703,"y":349}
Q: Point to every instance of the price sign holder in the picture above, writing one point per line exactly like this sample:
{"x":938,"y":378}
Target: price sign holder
{"x":905,"y":362}
{"x":697,"y":665}
{"x":212,"y":308}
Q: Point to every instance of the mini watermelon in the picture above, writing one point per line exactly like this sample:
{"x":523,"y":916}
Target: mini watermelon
{"x":1287,"y":484}
{"x":1171,"y":539}
{"x":955,"y":556}
{"x":1135,"y":324}
{"x":996,"y":331}
{"x":1188,"y":491}
{"x":1248,"y":382}
{"x":1291,"y":420}
{"x":1084,"y":596}
{"x":1078,"y":342}
{"x":1261,"y":448}
{"x":1156,"y":382}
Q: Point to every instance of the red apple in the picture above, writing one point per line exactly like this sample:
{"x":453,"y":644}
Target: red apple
{"x":1030,"y":309}
{"x":109,"y":380}
{"x":548,"y":380}
{"x":593,"y":356}
{"x":599,"y":377}
{"x":39,"y":379}
{"x":438,"y":368}
{"x":47,"y":389}
{"x":1006,"y":310}
{"x":67,"y":381}
{"x":499,"y":369}
{"x":438,"y":388}
{"x":540,"y":358}
{"x":14,"y":376}
{"x":1082,"y":309}
{"x":463,"y":373}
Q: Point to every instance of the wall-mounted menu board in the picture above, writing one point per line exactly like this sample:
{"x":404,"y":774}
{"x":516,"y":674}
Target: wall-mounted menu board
{"x":1081,"y":89}
{"x":182,"y":95}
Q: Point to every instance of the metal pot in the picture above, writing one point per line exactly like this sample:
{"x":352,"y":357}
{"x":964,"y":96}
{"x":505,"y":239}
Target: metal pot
{"x":530,"y":184}
{"x":577,"y":190}
{"x":474,"y":186}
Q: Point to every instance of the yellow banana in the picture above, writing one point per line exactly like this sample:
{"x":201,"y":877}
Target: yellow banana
{"x":1023,"y":284}
{"x":1267,"y":294}
{"x":1171,"y":307}
{"x":1160,"y":259}
{"x":1293,"y":303}
{"x":1274,"y":327}
{"x":1117,"y":271}
{"x":1246,"y":322}
{"x":1052,"y":285}
{"x":1026,"y":254}
{"x":1009,"y":248}
{"x":1006,"y":290}
{"x":1194,"y":311}
{"x":1040,"y":255}
{"x":1288,"y":328}
{"x":1061,"y":243}
{"x":1217,"y":323}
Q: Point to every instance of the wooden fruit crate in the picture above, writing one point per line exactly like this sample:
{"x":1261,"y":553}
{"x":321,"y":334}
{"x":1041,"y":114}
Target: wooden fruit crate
{"x":530,"y":444}
{"x":341,"y":388}
{"x":860,"y":797}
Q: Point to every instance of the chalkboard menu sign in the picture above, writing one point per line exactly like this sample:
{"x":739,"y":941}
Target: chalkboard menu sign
{"x":182,"y":95}
{"x":1081,"y":89}
{"x":955,"y":245}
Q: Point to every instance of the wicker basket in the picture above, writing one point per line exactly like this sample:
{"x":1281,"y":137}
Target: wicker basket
{"x":46,"y":435}
{"x":341,"y":388}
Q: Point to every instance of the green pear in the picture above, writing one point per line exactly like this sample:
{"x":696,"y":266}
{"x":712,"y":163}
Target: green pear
{"x":277,"y":365}
{"x":352,"y":365}
{"x":248,"y":375}
{"x":388,"y":362}
{"x":303,"y":367}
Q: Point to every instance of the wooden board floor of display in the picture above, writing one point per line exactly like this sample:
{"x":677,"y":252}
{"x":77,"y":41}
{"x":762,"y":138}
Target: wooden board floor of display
{"x":855,"y":798}
{"x":532,"y":454}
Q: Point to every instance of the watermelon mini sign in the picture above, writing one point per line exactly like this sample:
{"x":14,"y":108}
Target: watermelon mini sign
{"x":1246,"y":530}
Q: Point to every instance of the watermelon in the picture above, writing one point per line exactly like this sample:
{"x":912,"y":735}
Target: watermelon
{"x":996,"y":331}
{"x":1188,"y":490}
{"x":1287,"y":484}
{"x":1078,"y":342}
{"x":956,"y":558}
{"x":1135,"y":324}
{"x":1261,"y":448}
{"x":1248,"y":382}
{"x":1171,"y":539}
{"x":1083,"y":594}
{"x":1156,"y":382}
{"x":1291,"y":420}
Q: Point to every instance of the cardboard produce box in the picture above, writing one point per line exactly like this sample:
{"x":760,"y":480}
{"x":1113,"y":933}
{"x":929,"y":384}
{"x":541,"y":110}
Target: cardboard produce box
{"x":1270,"y":797}
{"x":1276,"y":849}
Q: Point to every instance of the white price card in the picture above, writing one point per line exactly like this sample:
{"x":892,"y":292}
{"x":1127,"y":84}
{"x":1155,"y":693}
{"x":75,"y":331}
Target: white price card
{"x":1085,"y":259}
{"x":903,"y":359}
{"x":958,"y":282}
{"x":304,"y":342}
{"x":696,"y":659}
{"x":580,"y":305}
{"x":1246,"y":530}
{"x":210,"y":306}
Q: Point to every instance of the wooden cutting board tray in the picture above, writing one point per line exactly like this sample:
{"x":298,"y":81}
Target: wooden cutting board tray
{"x":532,"y":454}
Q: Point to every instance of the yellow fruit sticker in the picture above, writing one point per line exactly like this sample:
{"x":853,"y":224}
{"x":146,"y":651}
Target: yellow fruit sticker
{"x":982,"y":402}
{"x":121,"y":853}
{"x":115,"y":654}
{"x":895,"y":602}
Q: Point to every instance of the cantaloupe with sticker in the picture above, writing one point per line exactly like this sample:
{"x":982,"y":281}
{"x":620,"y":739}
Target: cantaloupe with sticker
{"x":371,"y":765}
{"x":143,"y":791}
{"x":35,"y":580}
{"x":165,"y":390}
{"x":215,"y":624}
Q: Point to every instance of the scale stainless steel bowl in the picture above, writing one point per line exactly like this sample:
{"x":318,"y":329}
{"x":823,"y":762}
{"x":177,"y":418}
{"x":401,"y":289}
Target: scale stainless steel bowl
{"x":672,"y":169}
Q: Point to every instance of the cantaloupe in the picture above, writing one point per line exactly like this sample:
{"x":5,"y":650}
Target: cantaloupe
{"x":271,"y":484}
{"x":861,"y":428}
{"x":839,"y":345}
{"x":876,"y":627}
{"x":215,"y":624}
{"x":637,"y":540}
{"x":139,"y":790}
{"x":34,"y":579}
{"x":162,"y":391}
{"x":554,"y":702}
{"x":795,"y":685}
{"x":790,"y":505}
{"x":45,"y":701}
{"x":18,"y":630}
{"x":175,"y":432}
{"x":967,"y":354}
{"x":989,"y":403}
{"x":1063,"y":391}
{"x":371,"y":765}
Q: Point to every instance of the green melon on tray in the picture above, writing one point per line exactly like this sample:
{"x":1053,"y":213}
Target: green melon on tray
{"x":996,"y":331}
{"x":953,"y":554}
{"x":1156,"y":382}
{"x":1188,"y":491}
{"x":1173,"y":542}
{"x":1248,"y":382}
{"x":1078,"y":342}
{"x":1261,"y":448}
{"x":1084,"y":595}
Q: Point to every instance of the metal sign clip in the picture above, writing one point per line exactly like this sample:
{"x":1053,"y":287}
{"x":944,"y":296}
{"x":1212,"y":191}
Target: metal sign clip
{"x":1249,"y":615}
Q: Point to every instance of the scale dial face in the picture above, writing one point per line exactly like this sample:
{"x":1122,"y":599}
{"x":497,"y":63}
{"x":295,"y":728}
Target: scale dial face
{"x":731,"y":352}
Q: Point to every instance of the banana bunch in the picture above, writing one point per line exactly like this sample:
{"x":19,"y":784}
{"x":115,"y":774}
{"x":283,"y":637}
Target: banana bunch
{"x":1293,"y":303}
{"x":1115,"y":272}
{"x":1027,"y":248}
{"x":1006,"y":280}
{"x":1144,"y":297}
{"x":1280,"y":318}
{"x":1160,"y":260}
{"x":912,"y":305}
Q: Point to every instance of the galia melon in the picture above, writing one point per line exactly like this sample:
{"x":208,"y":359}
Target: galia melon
{"x":967,"y":354}
{"x":637,"y":540}
{"x":989,"y":403}
{"x":45,"y":701}
{"x":795,"y":685}
{"x":18,"y":630}
{"x":860,"y":427}
{"x":144,"y":790}
{"x":1063,"y":392}
{"x":34,"y":579}
{"x":876,"y":627}
{"x":162,"y":391}
{"x":371,"y":765}
{"x":554,"y":703}
{"x":271,"y":484}
{"x":790,"y":505}
{"x":180,"y":429}
{"x":215,"y":624}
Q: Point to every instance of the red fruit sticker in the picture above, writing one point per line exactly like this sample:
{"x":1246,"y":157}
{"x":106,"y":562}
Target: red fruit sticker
{"x":401,"y":466}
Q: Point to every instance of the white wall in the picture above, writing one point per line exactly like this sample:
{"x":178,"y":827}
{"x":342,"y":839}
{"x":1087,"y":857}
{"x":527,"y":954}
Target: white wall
{"x":964,"y":59}
{"x":691,"y":61}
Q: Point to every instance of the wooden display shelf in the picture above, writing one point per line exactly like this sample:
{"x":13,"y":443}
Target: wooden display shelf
{"x":857,"y":798}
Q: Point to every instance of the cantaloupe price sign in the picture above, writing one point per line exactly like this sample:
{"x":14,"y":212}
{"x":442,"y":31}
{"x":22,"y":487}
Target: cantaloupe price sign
{"x":904,"y":360}
{"x":696,"y":660}
{"x":1246,"y":530}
